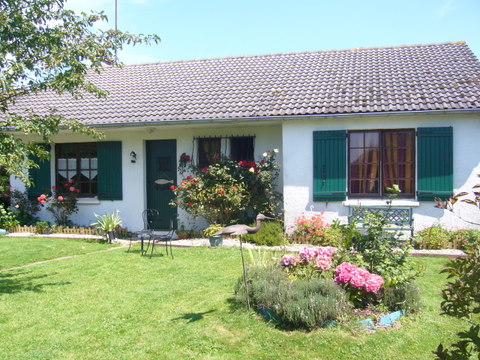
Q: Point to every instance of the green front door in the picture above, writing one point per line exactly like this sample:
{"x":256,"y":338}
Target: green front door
{"x":161,"y":174}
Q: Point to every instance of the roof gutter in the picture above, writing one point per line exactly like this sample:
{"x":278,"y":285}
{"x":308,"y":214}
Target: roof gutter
{"x":291,"y":117}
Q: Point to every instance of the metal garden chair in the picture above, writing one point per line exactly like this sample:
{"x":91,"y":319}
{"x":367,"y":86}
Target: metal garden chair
{"x":151,"y":217}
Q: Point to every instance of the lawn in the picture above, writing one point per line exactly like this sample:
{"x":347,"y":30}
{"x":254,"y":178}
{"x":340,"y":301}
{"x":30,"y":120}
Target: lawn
{"x":119,"y":305}
{"x":25,"y":250}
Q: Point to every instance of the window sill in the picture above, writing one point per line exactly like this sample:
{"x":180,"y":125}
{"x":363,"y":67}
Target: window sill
{"x":373,"y":202}
{"x":88,"y":201}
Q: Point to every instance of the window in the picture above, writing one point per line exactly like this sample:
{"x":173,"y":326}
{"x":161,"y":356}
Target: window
{"x":419,"y":160}
{"x":241,"y":148}
{"x":210,"y":149}
{"x":380,"y":158}
{"x":77,"y":164}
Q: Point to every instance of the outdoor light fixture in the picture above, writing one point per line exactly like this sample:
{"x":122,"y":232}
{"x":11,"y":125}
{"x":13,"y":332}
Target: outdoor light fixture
{"x":133,"y":157}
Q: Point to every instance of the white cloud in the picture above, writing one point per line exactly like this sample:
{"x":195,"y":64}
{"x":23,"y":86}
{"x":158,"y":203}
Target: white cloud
{"x":446,"y":8}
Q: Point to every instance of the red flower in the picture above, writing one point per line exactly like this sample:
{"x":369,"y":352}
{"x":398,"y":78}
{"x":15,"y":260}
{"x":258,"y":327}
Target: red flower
{"x":190,"y":203}
{"x":172,"y":187}
{"x":60,"y":198}
{"x":183,"y":182}
{"x":205,"y":169}
{"x":71,"y":188}
{"x":53,"y":187}
{"x":78,"y":191}
{"x":221,"y":191}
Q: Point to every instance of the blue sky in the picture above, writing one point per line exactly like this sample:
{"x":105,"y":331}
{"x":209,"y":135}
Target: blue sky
{"x":192,"y":29}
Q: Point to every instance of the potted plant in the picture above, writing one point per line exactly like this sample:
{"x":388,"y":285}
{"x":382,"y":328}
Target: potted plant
{"x":215,"y":240}
{"x":108,"y":223}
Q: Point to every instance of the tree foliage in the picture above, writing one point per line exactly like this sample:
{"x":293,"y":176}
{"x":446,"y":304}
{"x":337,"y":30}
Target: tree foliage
{"x":45,"y":47}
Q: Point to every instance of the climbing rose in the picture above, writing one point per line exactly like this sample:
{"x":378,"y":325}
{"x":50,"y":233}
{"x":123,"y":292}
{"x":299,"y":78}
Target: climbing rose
{"x":71,"y":188}
{"x":60,"y":198}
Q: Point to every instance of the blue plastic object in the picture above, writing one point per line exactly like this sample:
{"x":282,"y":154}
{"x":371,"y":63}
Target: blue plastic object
{"x":389,"y":319}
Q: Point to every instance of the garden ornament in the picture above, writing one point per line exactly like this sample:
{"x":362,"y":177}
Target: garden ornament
{"x":239,"y":230}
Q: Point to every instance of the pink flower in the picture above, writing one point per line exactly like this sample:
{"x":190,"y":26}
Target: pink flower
{"x":221,"y":191}
{"x":172,"y":187}
{"x":308,"y":253}
{"x":323,"y":263}
{"x":359,"y":277}
{"x":344,"y":272}
{"x":53,"y":187}
{"x":17,"y":206}
{"x":234,"y":188}
{"x":326,"y":251}
{"x":60,"y":198}
{"x":71,"y":188}
{"x":289,"y":260}
{"x":70,"y":181}
{"x":373,"y":283}
{"x":78,"y":191}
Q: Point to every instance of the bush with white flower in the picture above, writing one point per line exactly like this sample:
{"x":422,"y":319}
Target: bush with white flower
{"x":228,"y":191}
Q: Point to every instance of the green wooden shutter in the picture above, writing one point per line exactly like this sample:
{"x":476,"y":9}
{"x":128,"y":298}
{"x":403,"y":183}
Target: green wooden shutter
{"x":40,"y":177}
{"x":110,"y":184}
{"x":434,"y":163}
{"x":329,"y":165}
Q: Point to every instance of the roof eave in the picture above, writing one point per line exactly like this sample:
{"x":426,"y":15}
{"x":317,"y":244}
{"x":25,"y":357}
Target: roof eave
{"x":290,"y":117}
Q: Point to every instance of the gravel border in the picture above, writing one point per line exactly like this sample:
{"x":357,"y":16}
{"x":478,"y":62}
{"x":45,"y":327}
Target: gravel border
{"x":231,"y":242}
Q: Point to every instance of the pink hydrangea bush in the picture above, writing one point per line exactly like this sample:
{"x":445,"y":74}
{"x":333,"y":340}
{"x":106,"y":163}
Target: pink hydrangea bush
{"x":361,"y":285}
{"x":311,"y":262}
{"x":357,"y":277}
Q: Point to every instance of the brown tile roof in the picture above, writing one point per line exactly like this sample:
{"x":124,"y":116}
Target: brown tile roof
{"x":367,"y":80}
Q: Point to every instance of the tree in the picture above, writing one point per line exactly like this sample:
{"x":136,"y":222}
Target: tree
{"x":45,"y":47}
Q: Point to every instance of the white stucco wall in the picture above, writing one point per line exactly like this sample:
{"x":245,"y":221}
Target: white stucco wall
{"x":267,"y":137}
{"x":298,"y":165}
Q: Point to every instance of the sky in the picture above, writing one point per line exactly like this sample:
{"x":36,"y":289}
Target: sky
{"x":195,"y":29}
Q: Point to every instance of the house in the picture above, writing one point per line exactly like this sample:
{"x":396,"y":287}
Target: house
{"x":348,"y":123}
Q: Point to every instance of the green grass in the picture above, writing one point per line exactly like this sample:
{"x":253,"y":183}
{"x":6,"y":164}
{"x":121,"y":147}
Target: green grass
{"x":26,"y":250}
{"x":119,"y":305}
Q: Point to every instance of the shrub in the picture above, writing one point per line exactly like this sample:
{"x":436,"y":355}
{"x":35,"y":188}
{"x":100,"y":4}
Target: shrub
{"x":332,"y":236}
{"x":270,"y":234}
{"x":461,"y":299}
{"x":24,"y":207}
{"x":8,"y":219}
{"x":401,"y":297}
{"x":310,"y":303}
{"x":309,"y":228}
{"x":228,"y":190}
{"x":307,"y":303}
{"x":434,"y":237}
{"x":61,"y":204}
{"x":462,"y":239}
{"x":41,"y":227}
